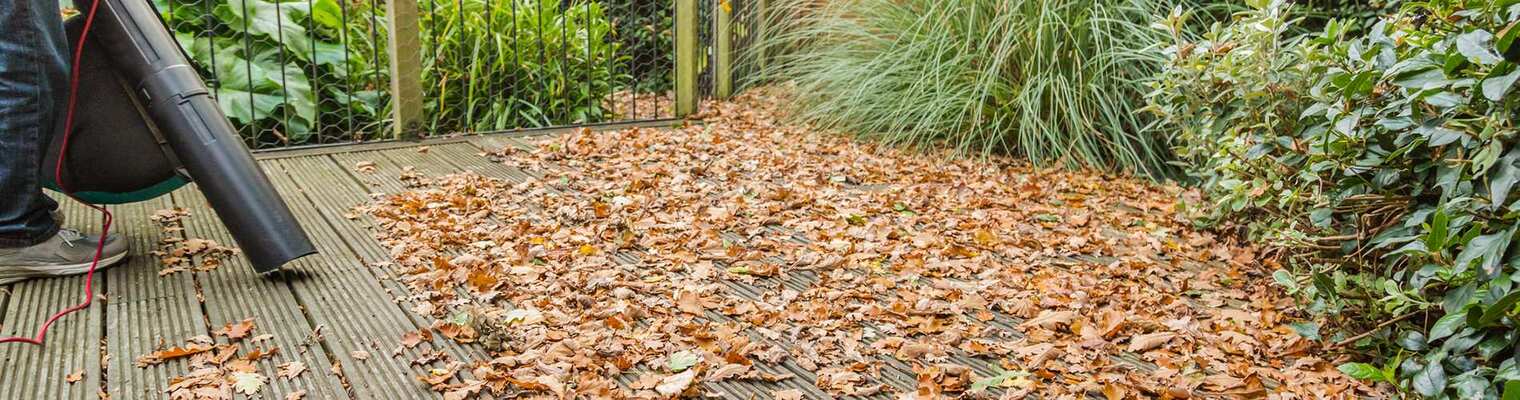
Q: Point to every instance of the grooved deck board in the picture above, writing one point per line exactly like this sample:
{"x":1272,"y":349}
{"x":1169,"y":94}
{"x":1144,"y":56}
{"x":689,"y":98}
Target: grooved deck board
{"x":344,"y":295}
{"x":5,"y":301}
{"x":144,"y":309}
{"x":233,"y":292}
{"x":72,"y":346}
{"x":332,"y":194}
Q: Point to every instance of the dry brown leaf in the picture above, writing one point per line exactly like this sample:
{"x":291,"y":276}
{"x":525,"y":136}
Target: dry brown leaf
{"x":1139,"y":343}
{"x":74,"y":377}
{"x":788,"y":394}
{"x":237,"y":330}
{"x":674,"y":385}
{"x":360,"y":355}
{"x":1050,"y":319}
{"x":413,"y":338}
{"x":158,"y":357}
{"x":726,"y":372}
{"x":365,"y":167}
{"x":296,"y":395}
{"x":290,"y":370}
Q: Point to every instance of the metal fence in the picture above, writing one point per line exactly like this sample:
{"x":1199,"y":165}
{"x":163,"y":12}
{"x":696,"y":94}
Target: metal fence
{"x":310,"y":72}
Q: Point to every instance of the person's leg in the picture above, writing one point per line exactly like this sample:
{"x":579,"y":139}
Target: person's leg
{"x":33,"y":79}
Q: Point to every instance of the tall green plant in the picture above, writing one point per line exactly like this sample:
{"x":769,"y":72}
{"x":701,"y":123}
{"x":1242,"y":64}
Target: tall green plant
{"x":284,"y":70}
{"x":1054,"y":81}
{"x":643,"y":29}
{"x":516,"y":63}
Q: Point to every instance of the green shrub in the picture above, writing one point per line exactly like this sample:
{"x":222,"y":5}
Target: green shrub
{"x":1054,"y":81}
{"x":319,"y":68}
{"x":643,"y":29}
{"x":286,"y":93}
{"x":1384,"y":169}
{"x":516,"y":63}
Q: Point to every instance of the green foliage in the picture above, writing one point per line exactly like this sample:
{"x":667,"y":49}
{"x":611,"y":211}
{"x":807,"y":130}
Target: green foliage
{"x":644,"y":30}
{"x":289,"y":71}
{"x":516,"y":63}
{"x":1384,"y":166}
{"x":1054,"y":81}
{"x":275,"y":62}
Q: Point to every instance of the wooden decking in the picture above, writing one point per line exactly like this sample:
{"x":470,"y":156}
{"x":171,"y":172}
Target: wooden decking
{"x":333,"y":306}
{"x":332,"y":310}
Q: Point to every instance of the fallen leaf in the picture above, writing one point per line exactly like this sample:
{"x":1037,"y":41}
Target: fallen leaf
{"x":1139,"y":343}
{"x":676,"y":384}
{"x":682,"y":360}
{"x":788,"y":394}
{"x":726,"y":372}
{"x":158,"y":357}
{"x":247,"y":383}
{"x":296,"y":395}
{"x":290,"y":370}
{"x":1050,"y":319}
{"x":360,"y":355}
{"x":74,"y":377}
{"x":237,"y":330}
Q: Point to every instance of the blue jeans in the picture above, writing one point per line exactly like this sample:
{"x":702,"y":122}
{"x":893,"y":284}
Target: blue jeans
{"x":34,"y":59}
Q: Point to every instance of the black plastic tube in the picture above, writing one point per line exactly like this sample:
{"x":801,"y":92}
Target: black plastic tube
{"x":202,"y":139}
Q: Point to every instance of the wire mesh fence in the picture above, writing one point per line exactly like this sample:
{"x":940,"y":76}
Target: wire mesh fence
{"x":307,"y":72}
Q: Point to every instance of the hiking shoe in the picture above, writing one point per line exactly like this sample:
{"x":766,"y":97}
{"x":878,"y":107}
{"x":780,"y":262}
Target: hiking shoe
{"x":67,"y":253}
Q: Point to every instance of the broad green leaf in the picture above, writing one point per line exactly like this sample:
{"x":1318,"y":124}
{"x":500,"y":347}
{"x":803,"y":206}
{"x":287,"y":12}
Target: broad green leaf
{"x":1431,"y":380}
{"x":1478,"y":46}
{"x":327,"y":13}
{"x":1362,"y":371}
{"x":1447,"y":325}
{"x":1511,"y":390}
{"x":247,"y":107}
{"x":1445,"y":99}
{"x":1495,"y":87}
{"x":1492,"y":313}
{"x":1487,"y":250}
{"x":1471,"y":385}
{"x":1504,"y":180}
{"x":1285,"y":279}
{"x":1307,"y":329}
{"x":275,"y":21}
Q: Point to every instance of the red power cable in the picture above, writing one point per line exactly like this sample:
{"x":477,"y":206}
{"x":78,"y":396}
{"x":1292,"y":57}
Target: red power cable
{"x":105,"y":228}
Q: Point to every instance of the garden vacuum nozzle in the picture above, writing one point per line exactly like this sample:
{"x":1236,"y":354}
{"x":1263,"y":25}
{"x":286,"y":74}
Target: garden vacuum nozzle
{"x":147,"y":125}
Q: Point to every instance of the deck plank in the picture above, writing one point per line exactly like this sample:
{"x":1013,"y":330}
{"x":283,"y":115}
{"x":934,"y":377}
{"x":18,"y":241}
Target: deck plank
{"x":333,"y":194}
{"x":144,"y":309}
{"x":343,"y":294}
{"x":73,"y":344}
{"x":233,"y":292}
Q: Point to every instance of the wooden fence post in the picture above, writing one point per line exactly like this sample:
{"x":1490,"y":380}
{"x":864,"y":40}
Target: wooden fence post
{"x":405,"y":47}
{"x":723,"y":15}
{"x":686,"y":57}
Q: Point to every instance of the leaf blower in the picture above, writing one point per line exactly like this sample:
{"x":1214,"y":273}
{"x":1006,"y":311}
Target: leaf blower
{"x":146,"y":125}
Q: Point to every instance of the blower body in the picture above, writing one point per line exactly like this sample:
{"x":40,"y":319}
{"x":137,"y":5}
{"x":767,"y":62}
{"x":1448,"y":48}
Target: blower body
{"x":147,"y":124}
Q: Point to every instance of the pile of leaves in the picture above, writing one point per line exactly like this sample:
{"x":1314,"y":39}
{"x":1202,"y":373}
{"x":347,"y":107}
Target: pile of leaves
{"x":176,"y":253}
{"x":1382,"y":166}
{"x":715,"y":252}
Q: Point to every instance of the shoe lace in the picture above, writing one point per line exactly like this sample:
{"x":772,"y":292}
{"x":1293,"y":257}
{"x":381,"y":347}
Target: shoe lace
{"x":69,"y":236}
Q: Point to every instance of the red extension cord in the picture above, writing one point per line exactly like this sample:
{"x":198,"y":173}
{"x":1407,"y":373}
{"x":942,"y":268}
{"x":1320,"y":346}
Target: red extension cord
{"x":68,"y":130}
